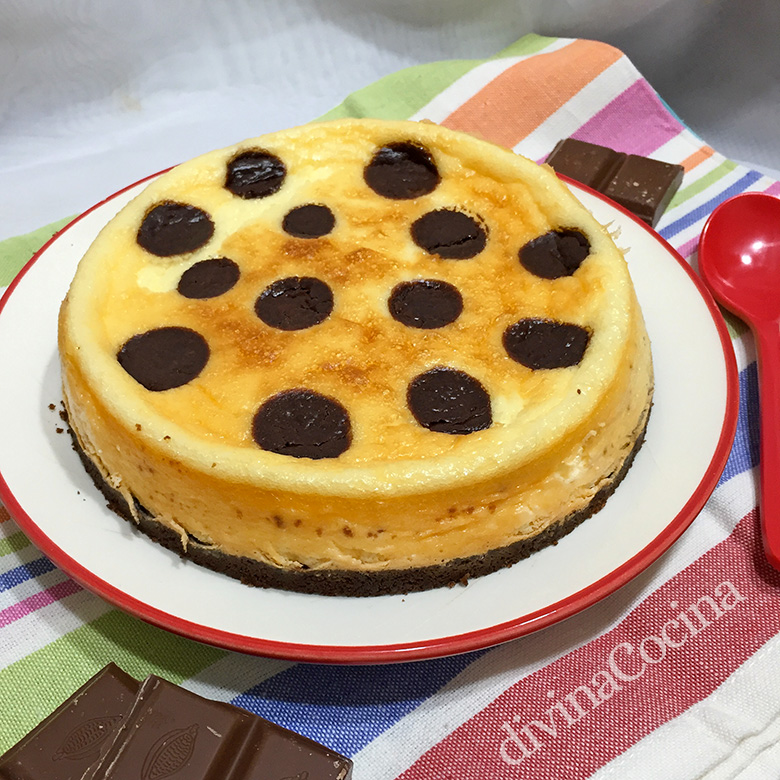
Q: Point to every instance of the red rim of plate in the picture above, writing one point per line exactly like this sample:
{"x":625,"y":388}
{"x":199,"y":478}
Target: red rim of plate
{"x":424,"y":649}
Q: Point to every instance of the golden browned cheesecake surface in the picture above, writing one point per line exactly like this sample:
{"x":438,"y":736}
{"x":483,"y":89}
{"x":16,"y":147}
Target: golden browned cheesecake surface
{"x":360,"y":346}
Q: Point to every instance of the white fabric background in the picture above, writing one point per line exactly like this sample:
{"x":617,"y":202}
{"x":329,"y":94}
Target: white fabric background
{"x":95,"y":94}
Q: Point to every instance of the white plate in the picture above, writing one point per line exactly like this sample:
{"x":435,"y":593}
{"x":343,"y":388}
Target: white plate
{"x":689,"y":437}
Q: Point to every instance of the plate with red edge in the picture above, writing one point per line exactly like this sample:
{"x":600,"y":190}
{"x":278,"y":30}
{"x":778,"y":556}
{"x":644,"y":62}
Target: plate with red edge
{"x":689,"y":437}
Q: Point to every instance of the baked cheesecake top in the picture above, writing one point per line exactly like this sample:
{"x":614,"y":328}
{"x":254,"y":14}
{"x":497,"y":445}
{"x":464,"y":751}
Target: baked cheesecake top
{"x":357,"y":302}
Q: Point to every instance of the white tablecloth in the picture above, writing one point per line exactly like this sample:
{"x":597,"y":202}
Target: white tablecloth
{"x":95,"y":94}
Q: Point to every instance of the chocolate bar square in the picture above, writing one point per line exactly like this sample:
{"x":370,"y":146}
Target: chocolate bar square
{"x":644,"y":186}
{"x":589,"y":164}
{"x":77,"y":734}
{"x":169,"y":730}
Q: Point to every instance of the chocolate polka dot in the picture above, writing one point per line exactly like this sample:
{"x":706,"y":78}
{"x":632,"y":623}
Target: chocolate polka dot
{"x":449,"y":401}
{"x":174,"y":228}
{"x":401,"y":171}
{"x":538,"y":343}
{"x":450,"y":234}
{"x":303,"y":424}
{"x":309,"y":221}
{"x":208,"y":278}
{"x":164,"y":358}
{"x":294,"y":303}
{"x":555,"y":254}
{"x":255,"y":174}
{"x":425,"y":303}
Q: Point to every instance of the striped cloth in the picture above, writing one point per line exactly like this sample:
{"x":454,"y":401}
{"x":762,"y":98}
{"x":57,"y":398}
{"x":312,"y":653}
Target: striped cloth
{"x":637,"y":686}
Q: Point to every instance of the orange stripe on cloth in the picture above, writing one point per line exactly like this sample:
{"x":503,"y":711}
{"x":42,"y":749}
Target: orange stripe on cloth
{"x":692,"y":160}
{"x":543,"y":83}
{"x":4,"y":514}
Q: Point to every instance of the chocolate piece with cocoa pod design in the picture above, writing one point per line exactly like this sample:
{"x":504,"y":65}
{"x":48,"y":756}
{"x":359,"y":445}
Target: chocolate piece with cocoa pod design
{"x":113,"y":727}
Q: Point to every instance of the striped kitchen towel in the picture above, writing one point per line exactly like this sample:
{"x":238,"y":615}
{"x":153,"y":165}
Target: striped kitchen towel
{"x":673,"y":676}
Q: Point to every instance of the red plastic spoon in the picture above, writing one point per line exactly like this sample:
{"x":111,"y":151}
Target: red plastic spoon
{"x":739,"y":259}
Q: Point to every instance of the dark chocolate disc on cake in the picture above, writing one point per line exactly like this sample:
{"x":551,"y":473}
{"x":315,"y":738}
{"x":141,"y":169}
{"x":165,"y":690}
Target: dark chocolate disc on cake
{"x":311,"y":220}
{"x":295,"y":303}
{"x":255,"y":174}
{"x":164,"y":358}
{"x":209,"y":278}
{"x":540,"y":344}
{"x":401,"y":171}
{"x":425,"y":303}
{"x":555,"y":254}
{"x":174,"y":228}
{"x":447,"y":400}
{"x":450,"y":234}
{"x":303,"y":424}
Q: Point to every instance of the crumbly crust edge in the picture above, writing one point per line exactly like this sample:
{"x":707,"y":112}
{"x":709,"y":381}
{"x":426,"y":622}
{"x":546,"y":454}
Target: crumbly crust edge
{"x":348,"y":582}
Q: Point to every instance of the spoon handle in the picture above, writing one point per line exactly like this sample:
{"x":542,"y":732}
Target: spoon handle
{"x":768,"y":342}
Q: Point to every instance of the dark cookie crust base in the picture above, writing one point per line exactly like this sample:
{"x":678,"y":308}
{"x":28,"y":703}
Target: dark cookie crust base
{"x":344,"y":582}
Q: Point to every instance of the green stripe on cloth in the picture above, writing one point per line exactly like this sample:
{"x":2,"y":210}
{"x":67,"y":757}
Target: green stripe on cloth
{"x":13,"y":543}
{"x":734,"y":325}
{"x":52,"y":673}
{"x":401,"y":94}
{"x":686,"y":193}
{"x":16,"y":251}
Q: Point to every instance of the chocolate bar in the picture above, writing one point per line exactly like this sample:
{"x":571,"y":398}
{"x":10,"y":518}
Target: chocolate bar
{"x":76,"y":734}
{"x":641,"y":185}
{"x":114,"y":728}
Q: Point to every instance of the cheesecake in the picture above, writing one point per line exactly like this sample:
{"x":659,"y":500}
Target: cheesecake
{"x":354,"y":358}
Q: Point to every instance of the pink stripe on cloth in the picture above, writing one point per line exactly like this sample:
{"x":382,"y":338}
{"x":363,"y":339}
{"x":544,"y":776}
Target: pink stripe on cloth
{"x":687,"y":249}
{"x":580,"y":712}
{"x":773,"y":189}
{"x":635,"y":122}
{"x":38,"y":601}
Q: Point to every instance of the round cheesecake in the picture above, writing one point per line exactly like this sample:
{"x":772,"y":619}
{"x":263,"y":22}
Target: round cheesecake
{"x":355,"y":357}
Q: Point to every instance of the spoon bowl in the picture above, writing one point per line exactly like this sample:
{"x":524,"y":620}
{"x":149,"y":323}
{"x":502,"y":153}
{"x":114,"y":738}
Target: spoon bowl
{"x":739,"y":255}
{"x":739,"y":260}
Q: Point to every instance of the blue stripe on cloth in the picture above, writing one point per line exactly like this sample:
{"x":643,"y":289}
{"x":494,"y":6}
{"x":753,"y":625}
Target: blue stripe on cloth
{"x":703,"y":211}
{"x":346,"y":707}
{"x":745,"y":452}
{"x":13,"y":577}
